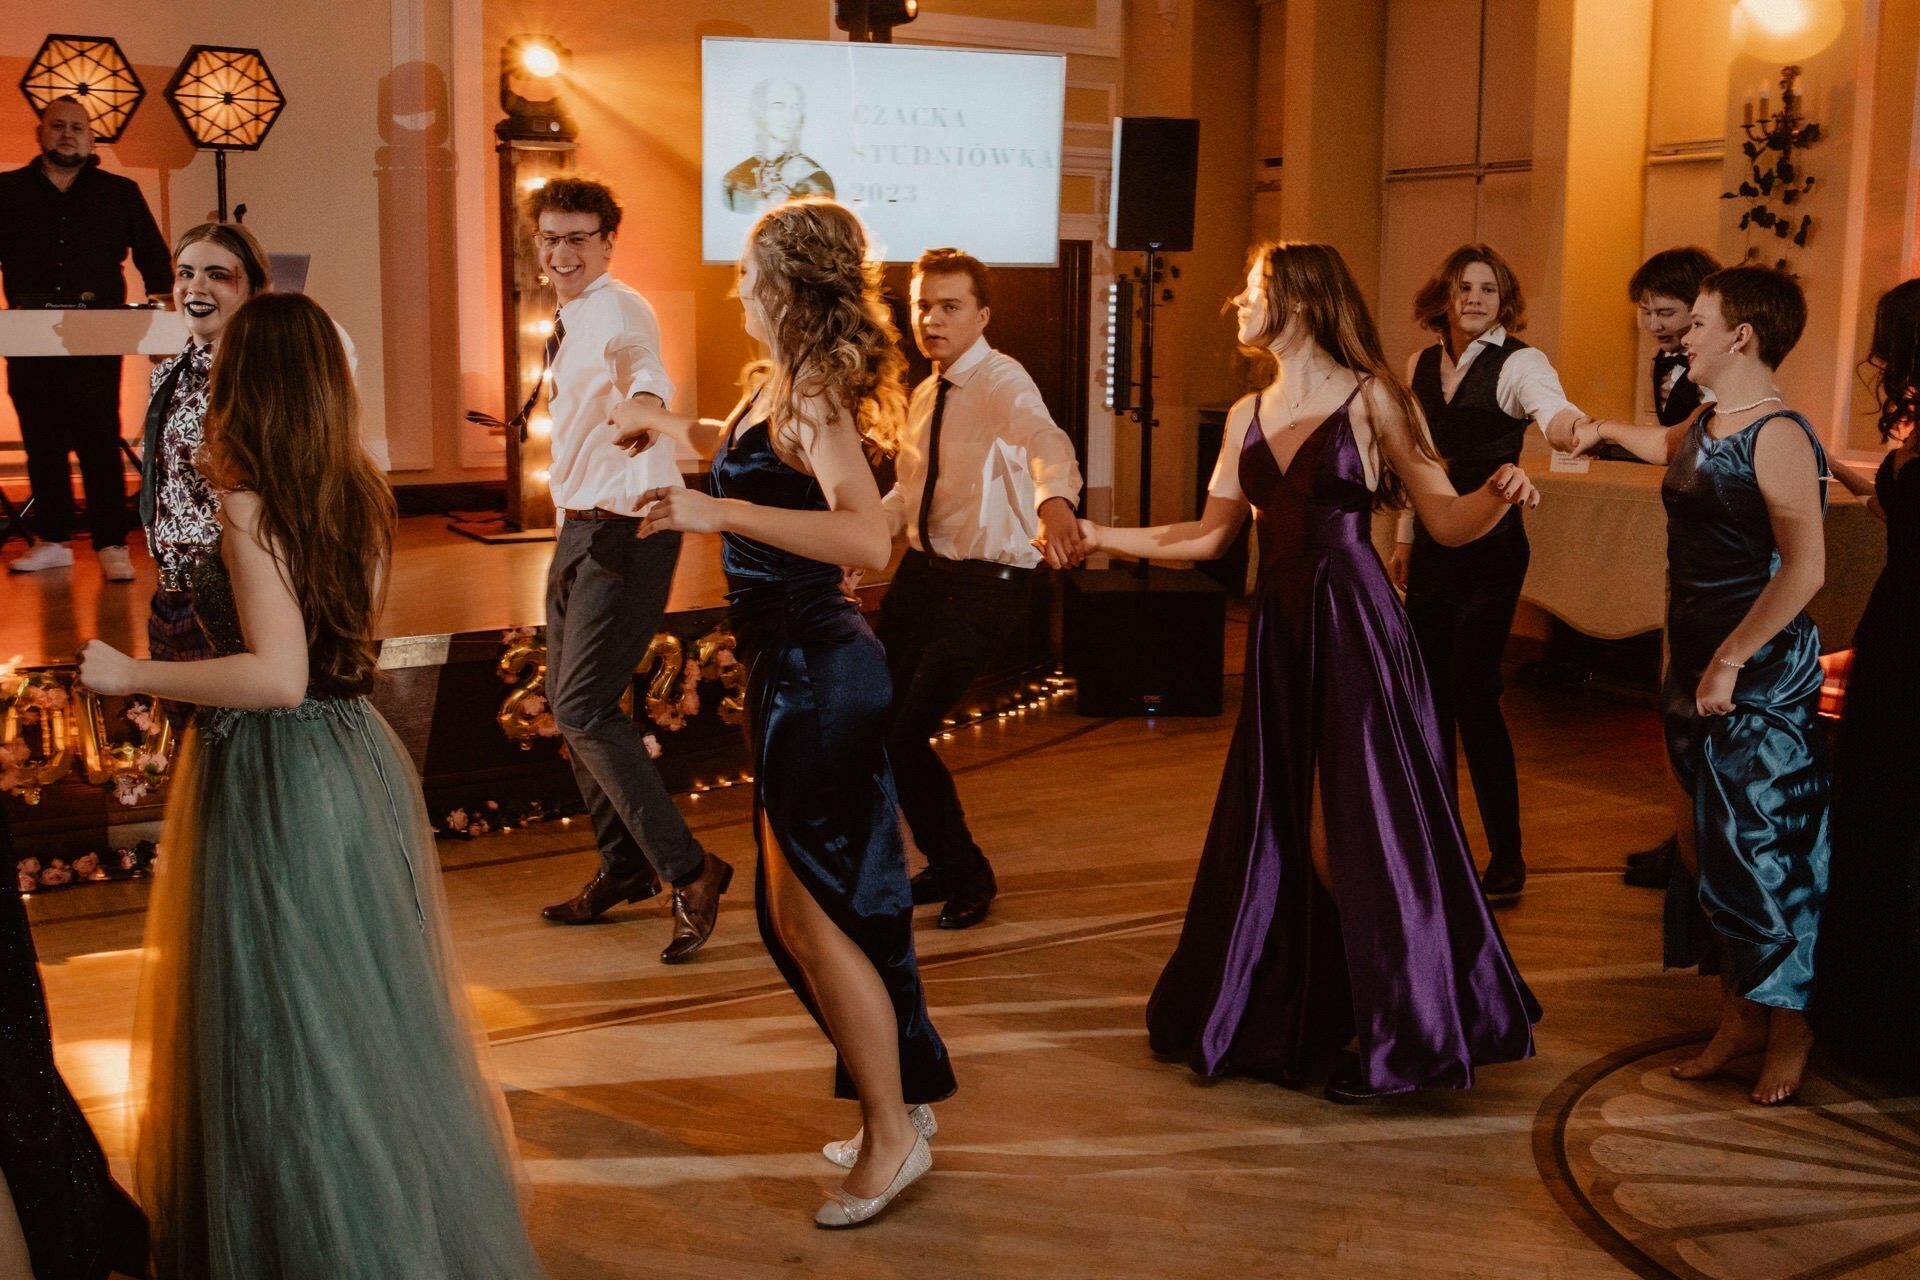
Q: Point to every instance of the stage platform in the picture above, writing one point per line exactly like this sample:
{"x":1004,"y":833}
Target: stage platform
{"x":443,"y":585}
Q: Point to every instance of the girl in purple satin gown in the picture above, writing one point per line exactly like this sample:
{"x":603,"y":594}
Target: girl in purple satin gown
{"x":1335,"y":898}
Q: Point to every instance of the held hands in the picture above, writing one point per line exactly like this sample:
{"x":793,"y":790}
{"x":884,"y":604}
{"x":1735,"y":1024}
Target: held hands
{"x":1060,"y":539}
{"x":1578,"y":436}
{"x":641,"y":421}
{"x":1714,"y":695}
{"x":679,"y":509}
{"x":1511,"y":485}
{"x":1090,"y":537}
{"x":104,"y":669}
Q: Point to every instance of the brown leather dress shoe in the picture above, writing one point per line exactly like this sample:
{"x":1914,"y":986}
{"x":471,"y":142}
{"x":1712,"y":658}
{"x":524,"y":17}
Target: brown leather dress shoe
{"x":601,"y":894}
{"x":696,"y":909}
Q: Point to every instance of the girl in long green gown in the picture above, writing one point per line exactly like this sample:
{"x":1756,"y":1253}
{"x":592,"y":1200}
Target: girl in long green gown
{"x":314,"y":1103}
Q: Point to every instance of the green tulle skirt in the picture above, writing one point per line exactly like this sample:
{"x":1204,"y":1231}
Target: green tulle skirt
{"x":313,"y":1096}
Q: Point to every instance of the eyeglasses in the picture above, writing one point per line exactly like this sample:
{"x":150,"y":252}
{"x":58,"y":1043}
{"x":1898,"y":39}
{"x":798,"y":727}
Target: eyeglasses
{"x":578,"y":240}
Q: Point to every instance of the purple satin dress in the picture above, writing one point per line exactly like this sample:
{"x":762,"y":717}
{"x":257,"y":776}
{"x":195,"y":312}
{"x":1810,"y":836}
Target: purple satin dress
{"x":1272,"y":972}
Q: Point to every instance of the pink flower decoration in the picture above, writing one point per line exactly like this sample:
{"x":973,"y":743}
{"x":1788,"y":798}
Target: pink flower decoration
{"x":690,"y":701}
{"x":546,"y":726}
{"x":26,"y":881}
{"x":140,"y":716}
{"x":457,"y":820}
{"x":56,"y":874}
{"x":152,"y":762}
{"x":87,"y":867}
{"x":531,"y":706}
{"x":128,"y":860}
{"x":723,"y":658}
{"x":652,"y":744}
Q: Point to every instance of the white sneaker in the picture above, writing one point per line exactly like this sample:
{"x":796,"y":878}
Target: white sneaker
{"x":43,"y":555}
{"x":116,"y":564}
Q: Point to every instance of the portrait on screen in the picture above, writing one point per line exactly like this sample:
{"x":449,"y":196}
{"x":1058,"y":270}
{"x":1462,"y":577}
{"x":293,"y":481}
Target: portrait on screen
{"x":778,"y":168}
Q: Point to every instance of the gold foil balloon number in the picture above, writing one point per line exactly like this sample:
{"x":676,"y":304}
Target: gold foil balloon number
{"x":714,"y":652}
{"x":39,"y":698}
{"x":524,"y":712}
{"x":664,"y":666}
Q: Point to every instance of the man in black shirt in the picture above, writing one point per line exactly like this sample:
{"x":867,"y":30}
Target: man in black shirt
{"x":65,"y":228}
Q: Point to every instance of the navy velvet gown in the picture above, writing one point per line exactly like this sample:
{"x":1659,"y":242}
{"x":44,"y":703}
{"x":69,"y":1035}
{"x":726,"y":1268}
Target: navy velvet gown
{"x":817,"y":699}
{"x":1759,"y":777}
{"x":1271,"y":970}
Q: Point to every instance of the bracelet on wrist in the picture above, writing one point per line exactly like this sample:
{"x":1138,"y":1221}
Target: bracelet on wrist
{"x":1737,"y":666}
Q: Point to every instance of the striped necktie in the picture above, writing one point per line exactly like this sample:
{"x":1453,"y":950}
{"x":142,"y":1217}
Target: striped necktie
{"x":551,"y":350}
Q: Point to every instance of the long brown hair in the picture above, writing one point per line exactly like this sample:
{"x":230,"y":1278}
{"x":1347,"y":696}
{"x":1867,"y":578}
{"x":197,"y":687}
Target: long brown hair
{"x":1895,"y":355}
{"x":1314,"y":279}
{"x":283,"y":421}
{"x":832,"y":335}
{"x":1436,"y":295}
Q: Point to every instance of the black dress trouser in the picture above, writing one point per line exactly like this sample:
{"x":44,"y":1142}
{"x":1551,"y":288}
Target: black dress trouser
{"x":1461,"y":602}
{"x":71,"y":405}
{"x":941,"y":630}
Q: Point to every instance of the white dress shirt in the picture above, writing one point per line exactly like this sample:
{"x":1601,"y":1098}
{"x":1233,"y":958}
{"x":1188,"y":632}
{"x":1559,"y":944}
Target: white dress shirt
{"x":1001,"y":456}
{"x":610,"y":353}
{"x":1528,"y":388}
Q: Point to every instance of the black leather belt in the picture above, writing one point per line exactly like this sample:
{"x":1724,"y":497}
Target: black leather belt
{"x":973,"y":568}
{"x":596,"y":513}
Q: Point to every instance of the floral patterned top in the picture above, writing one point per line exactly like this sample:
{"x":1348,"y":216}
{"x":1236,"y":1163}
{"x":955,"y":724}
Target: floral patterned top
{"x":186,"y":521}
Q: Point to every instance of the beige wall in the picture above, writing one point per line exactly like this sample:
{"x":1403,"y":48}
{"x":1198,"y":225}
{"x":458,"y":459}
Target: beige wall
{"x":313,"y":187}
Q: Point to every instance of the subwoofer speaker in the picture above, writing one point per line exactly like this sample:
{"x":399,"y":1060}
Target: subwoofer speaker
{"x":1142,"y":647}
{"x":1156,"y":160}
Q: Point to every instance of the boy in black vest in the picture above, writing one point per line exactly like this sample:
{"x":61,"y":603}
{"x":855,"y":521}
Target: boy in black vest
{"x":1479,"y":388}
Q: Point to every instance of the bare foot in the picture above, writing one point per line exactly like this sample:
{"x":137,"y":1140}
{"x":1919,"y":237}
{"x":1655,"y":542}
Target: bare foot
{"x":1789,"y":1041}
{"x":1742,"y":1031}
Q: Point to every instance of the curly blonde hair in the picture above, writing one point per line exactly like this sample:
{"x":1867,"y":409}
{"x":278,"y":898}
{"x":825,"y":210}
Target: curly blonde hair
{"x":833,"y":339}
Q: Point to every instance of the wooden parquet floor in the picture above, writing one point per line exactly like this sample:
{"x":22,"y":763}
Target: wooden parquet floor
{"x":670,"y":1118}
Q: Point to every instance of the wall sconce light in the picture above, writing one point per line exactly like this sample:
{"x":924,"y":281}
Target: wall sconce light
{"x":227,"y":100}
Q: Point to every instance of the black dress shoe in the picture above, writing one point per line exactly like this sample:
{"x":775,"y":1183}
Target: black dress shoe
{"x":1658,"y":856}
{"x":1504,"y":880}
{"x":1348,"y":1085}
{"x":929,"y":887}
{"x":696,"y":909}
{"x":968,"y":905}
{"x":601,"y":894}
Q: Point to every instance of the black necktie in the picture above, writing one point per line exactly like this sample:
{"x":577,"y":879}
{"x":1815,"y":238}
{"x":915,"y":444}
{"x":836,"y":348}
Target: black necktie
{"x":1664,"y":363}
{"x":933,"y":465}
{"x":540,"y":384}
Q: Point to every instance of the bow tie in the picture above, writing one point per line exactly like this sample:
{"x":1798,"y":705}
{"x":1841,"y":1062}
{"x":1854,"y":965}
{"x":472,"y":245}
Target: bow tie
{"x":1667,"y":361}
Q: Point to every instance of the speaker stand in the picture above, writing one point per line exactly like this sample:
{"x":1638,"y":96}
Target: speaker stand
{"x":1143,"y":410}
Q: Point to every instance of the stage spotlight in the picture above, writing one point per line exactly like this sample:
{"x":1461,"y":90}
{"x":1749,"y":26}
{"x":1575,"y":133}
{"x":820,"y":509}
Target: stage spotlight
{"x":874,"y":20}
{"x":533,"y":86}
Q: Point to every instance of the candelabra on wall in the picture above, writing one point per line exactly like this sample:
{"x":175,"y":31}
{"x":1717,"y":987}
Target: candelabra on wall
{"x":1775,"y":176}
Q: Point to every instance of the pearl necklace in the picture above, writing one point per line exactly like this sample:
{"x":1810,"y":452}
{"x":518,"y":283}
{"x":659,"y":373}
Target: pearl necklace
{"x":1731,"y":410}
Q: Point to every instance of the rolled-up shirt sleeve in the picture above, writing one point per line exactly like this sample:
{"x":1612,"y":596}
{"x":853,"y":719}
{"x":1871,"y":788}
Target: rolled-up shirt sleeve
{"x":633,"y":356}
{"x":1050,"y":457}
{"x":1530,"y":388}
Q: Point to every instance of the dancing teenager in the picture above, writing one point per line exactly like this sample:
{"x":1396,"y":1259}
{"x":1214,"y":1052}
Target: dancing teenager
{"x":1869,"y":953}
{"x":1479,"y":387}
{"x":607,"y":589}
{"x":1663,"y":290}
{"x":314,"y":1104}
{"x":217,"y":266}
{"x":62,"y":1216}
{"x":1745,"y":497}
{"x":987,"y":487}
{"x":1335,"y":897}
{"x":793,"y":500}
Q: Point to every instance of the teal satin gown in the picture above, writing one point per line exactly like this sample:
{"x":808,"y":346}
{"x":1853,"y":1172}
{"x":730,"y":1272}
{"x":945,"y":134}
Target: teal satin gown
{"x":314,"y":1103}
{"x":1759,"y":777}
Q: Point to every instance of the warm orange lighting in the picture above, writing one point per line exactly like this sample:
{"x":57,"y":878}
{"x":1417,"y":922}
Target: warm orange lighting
{"x":541,"y":428}
{"x":1786,"y":30}
{"x":538,"y":60}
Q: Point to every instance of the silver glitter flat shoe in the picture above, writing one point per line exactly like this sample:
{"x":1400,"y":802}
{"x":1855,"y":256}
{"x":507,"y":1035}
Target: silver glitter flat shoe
{"x":851,"y":1211}
{"x":844,"y":1152}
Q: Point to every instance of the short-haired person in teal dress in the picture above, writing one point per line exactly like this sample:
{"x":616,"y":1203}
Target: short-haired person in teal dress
{"x":311,"y":1100}
{"x":1745,"y":497}
{"x":793,"y":500}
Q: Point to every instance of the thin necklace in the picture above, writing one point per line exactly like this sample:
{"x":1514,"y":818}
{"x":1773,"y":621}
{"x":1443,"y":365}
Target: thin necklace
{"x":1744,"y":407}
{"x":1293,"y":407}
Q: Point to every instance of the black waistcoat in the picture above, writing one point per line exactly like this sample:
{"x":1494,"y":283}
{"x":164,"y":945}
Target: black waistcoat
{"x":1473,"y":434}
{"x":1681,"y":401}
